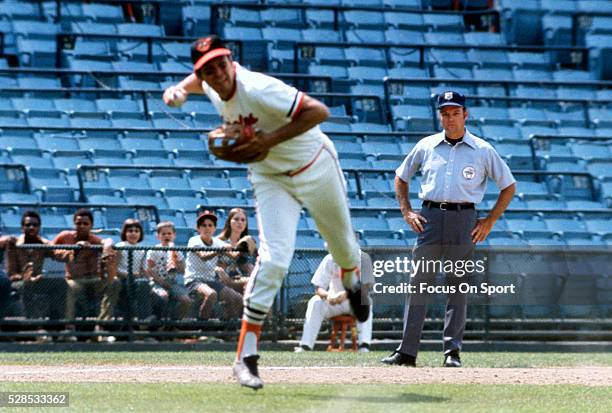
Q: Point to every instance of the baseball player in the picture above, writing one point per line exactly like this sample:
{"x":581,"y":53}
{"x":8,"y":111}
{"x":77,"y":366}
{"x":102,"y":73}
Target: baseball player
{"x":455,"y":165}
{"x":297,"y":167}
{"x":330,"y":300}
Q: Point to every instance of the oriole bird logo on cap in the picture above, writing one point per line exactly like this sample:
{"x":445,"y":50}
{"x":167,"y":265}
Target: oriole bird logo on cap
{"x":203,"y":45}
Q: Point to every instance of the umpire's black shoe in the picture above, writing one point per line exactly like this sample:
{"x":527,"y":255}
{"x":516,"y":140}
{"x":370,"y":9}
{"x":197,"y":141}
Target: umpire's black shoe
{"x":452,"y":359}
{"x":399,"y":359}
{"x":356,"y":300}
{"x":247,"y":374}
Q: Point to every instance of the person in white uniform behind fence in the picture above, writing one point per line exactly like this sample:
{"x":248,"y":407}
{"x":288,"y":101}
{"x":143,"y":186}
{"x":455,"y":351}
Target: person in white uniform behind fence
{"x":330,"y":300}
{"x":301,"y":169}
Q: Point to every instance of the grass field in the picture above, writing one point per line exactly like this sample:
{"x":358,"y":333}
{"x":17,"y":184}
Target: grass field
{"x":312,"y":397}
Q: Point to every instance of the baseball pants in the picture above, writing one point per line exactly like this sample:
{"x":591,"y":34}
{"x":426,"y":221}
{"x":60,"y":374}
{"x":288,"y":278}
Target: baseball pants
{"x":319,"y":309}
{"x":279,"y":199}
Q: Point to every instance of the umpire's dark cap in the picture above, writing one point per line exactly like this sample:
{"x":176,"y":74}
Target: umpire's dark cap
{"x":450,"y":98}
{"x":205,"y":49}
{"x":206,"y":215}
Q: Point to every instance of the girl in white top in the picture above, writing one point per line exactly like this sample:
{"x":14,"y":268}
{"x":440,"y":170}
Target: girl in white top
{"x":132,"y":234}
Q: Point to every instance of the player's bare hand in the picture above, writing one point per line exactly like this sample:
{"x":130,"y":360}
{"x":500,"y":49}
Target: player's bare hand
{"x":482,"y":229}
{"x":415,"y":220}
{"x":174,"y":96}
{"x":255,"y":149}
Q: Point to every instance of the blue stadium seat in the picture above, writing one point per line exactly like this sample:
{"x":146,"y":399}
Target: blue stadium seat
{"x":366,"y":56}
{"x":196,"y":20}
{"x":363,"y":73}
{"x":601,"y":169}
{"x":433,"y":38}
{"x":531,"y":74}
{"x":126,"y":179}
{"x":444,"y":22}
{"x":282,"y":17}
{"x":365,"y":36}
{"x":39,"y":82}
{"x":282,"y":36}
{"x":489,"y":73}
{"x":404,"y":36}
{"x":74,"y":105}
{"x":449,"y":72}
{"x":403,"y":20}
{"x":93,"y":27}
{"x":457,"y":58}
{"x":376,"y":184}
{"x":368,"y":127}
{"x":409,"y":117}
{"x":363,"y":19}
{"x":570,"y":92}
{"x":483,"y":38}
{"x":103,"y":13}
{"x":71,"y":159}
{"x":169,"y":180}
{"x":140,"y":29}
{"x":328,"y":70}
{"x":531,"y":115}
{"x":19,"y":9}
{"x":566,"y":225}
{"x":321,"y":35}
{"x":486,"y":113}
{"x":33,"y":29}
{"x":320,"y":18}
{"x":521,"y":226}
{"x":57,"y":141}
{"x":500,"y":131}
{"x":489,"y":58}
{"x":36,"y":52}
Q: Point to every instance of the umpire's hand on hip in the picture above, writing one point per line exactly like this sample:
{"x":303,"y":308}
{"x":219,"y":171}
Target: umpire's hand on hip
{"x":415,"y":220}
{"x":482,"y":229}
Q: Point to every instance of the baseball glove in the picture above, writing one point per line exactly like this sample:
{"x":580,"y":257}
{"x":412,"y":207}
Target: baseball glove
{"x":223,"y":141}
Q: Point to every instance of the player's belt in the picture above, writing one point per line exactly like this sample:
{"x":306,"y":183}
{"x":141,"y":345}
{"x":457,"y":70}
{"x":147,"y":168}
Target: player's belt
{"x":308,"y":165}
{"x":451,"y":206}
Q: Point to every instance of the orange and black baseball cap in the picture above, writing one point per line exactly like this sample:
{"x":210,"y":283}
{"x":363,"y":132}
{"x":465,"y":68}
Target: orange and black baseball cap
{"x":207,"y":48}
{"x":206,"y":215}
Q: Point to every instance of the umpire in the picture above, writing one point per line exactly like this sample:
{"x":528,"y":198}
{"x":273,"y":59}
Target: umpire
{"x":454,"y":165}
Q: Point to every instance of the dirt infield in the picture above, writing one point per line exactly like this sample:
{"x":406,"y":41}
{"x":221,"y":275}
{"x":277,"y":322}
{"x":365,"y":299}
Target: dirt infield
{"x":590,"y":376}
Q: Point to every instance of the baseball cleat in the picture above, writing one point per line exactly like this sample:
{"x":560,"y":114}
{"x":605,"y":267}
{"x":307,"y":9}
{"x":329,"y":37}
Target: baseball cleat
{"x":245,"y":372}
{"x":356,"y":300}
{"x":452,"y":359}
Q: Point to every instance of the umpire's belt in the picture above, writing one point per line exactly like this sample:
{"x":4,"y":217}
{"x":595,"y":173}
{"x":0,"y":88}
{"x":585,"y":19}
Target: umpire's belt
{"x":448,"y":205}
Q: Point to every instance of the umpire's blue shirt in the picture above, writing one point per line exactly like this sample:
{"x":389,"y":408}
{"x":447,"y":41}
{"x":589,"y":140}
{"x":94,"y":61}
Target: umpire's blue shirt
{"x":455,"y":173}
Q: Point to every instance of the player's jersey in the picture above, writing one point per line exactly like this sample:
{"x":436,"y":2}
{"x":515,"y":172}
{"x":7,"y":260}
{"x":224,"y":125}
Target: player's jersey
{"x":327,"y":276}
{"x":268,"y":103}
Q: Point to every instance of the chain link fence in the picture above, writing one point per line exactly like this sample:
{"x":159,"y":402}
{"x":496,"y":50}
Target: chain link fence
{"x":147,"y":292}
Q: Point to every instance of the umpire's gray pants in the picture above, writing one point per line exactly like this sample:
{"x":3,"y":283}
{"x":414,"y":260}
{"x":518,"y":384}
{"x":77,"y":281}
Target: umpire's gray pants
{"x":446,"y":236}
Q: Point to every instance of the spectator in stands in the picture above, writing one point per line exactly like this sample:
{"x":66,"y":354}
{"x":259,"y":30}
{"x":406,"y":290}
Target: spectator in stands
{"x":238,"y":265}
{"x":5,"y":283}
{"x":25,"y":270}
{"x":163,"y":267}
{"x":204,"y":277}
{"x":89,"y":270}
{"x":132,"y":234}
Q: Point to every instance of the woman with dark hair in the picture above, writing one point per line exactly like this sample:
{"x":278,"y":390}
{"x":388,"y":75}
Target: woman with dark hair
{"x":238,"y":264}
{"x":236,"y":226}
{"x":132,"y":234}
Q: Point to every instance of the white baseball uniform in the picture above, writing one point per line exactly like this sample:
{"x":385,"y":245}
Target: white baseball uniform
{"x":300,"y":172}
{"x":327,"y":276}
